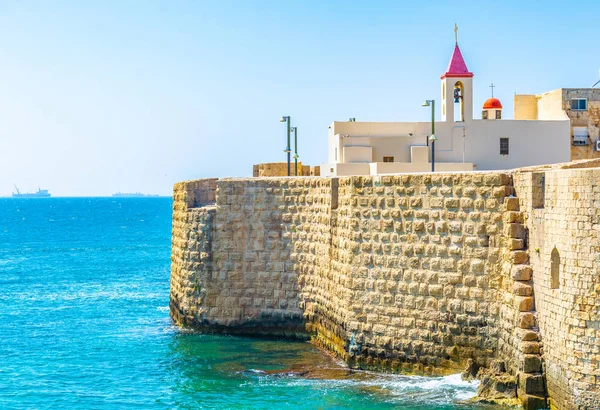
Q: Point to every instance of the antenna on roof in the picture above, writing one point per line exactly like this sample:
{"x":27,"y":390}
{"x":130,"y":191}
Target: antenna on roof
{"x":596,"y":81}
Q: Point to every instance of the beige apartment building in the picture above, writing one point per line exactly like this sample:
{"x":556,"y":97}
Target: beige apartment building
{"x":580,"y":105}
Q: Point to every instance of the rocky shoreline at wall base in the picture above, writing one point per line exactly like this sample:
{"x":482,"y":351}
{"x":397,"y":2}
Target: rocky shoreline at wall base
{"x":414,"y":273}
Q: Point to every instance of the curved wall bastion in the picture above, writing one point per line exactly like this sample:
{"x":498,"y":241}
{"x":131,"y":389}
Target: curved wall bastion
{"x":495,"y":274}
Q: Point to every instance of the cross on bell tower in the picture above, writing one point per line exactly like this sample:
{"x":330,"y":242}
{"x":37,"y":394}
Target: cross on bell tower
{"x":456,"y":33}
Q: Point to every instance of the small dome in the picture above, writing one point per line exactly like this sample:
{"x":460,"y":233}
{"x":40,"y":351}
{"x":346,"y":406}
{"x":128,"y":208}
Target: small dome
{"x":492,"y":103}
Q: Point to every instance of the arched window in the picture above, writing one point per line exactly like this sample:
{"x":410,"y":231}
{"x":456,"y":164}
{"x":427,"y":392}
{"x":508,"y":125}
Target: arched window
{"x":554,"y":269}
{"x":459,"y":89}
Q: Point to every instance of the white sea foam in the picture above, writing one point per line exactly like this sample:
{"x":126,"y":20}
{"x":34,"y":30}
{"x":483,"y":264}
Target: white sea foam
{"x":391,"y":388}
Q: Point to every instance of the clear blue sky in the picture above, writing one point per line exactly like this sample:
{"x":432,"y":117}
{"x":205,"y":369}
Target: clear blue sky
{"x":106,"y":96}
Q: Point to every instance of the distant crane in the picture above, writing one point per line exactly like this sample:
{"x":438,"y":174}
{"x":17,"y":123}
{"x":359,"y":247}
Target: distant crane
{"x":18,"y":193}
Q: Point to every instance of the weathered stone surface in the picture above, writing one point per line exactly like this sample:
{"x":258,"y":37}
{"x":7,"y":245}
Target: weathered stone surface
{"x":561,"y":209}
{"x":522,"y":289}
{"x":524,"y":303}
{"x":532,"y":383}
{"x":512,"y":204}
{"x":413,"y":273}
{"x":530,"y":347}
{"x":517,"y":244}
{"x":522,"y":272}
{"x":527,"y":320}
{"x":532,"y":363}
{"x":532,"y":402}
{"x":517,"y":257}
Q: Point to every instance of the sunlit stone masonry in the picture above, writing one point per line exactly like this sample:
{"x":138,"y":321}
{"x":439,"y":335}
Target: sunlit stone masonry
{"x":493,"y":274}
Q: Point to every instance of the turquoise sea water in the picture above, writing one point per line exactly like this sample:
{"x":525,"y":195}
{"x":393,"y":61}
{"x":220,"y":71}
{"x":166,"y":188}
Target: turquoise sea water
{"x":84,"y":323}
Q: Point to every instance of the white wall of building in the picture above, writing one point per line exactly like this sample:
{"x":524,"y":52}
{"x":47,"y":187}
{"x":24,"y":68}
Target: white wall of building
{"x":530,"y":142}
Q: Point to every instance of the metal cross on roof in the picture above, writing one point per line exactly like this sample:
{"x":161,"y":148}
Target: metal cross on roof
{"x":456,"y":33}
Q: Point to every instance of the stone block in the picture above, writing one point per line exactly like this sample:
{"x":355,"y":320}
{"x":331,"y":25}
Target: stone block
{"x":530,"y":347}
{"x":513,"y":217}
{"x":466,"y":203}
{"x":512,"y":204}
{"x":531,"y":363}
{"x":533,"y":402}
{"x":531,"y":383}
{"x":522,"y":289}
{"x":522,"y":272}
{"x":416,"y":202}
{"x":527,"y":320}
{"x":516,"y":244}
{"x":451,"y":203}
{"x":516,"y":230}
{"x":518,"y":257}
{"x":524,"y":304}
{"x":498,"y":192}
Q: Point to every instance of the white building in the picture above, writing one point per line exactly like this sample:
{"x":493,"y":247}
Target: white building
{"x":463,"y":143}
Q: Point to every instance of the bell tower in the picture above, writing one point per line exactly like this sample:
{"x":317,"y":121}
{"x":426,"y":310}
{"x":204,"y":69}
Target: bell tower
{"x":457,"y":88}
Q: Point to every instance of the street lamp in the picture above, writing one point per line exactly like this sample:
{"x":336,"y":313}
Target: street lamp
{"x":286,"y":118}
{"x":296,"y":156}
{"x":432,"y":138}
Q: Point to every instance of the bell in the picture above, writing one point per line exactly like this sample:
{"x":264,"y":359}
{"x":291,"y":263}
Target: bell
{"x":457,"y":94}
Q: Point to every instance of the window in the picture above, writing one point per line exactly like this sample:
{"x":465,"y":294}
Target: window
{"x":503,"y":146}
{"x":538,"y":189}
{"x":555,"y":269}
{"x":388,"y":159}
{"x":498,"y":114}
{"x":580,"y":136}
{"x":579,"y":104}
{"x":335,"y":159}
{"x":484,"y":115}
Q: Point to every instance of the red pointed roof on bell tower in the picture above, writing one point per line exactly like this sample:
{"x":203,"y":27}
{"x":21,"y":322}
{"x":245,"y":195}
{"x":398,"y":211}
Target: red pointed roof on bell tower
{"x":457,"y":66}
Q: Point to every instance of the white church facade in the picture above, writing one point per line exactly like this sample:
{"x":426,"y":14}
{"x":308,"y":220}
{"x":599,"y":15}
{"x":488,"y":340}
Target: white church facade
{"x":462,"y":143}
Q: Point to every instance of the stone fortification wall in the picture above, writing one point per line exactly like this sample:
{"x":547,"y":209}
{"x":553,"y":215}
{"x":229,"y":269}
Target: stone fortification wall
{"x":279,"y":169}
{"x":232,"y":260}
{"x":562,"y":215}
{"x":420,"y":273}
{"x":415,"y":251}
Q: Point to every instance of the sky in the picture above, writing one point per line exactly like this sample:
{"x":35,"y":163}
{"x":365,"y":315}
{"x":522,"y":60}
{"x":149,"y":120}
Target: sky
{"x":98,"y":97}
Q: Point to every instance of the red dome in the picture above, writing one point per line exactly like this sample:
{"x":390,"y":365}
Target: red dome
{"x":492,"y":103}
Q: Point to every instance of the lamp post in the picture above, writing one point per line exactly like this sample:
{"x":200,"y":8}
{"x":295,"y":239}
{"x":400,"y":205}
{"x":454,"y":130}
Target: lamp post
{"x":296,"y":156}
{"x":286,"y":118}
{"x":432,"y":138}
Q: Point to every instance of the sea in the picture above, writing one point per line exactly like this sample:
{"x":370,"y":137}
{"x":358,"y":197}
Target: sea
{"x":84,"y":324}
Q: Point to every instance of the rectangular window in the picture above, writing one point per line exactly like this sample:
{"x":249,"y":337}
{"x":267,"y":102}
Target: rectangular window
{"x":503,"y":146}
{"x":388,"y":159}
{"x":538,"y":189}
{"x":335,"y":155}
{"x":580,"y":136}
{"x":579,"y":104}
{"x":484,"y":115}
{"x":498,"y":114}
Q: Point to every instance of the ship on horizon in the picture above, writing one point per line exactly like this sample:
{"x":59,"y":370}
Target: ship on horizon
{"x":41,"y":193}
